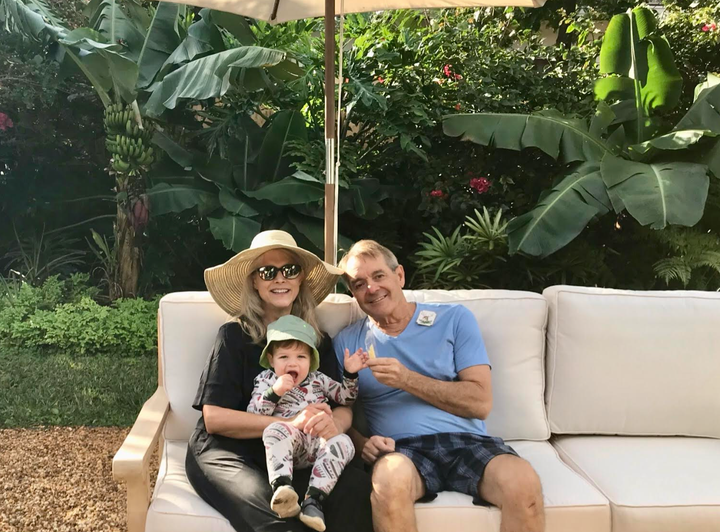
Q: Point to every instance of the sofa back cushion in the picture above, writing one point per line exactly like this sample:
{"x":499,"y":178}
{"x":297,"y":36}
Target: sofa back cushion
{"x":512,"y":323}
{"x":633,"y":363}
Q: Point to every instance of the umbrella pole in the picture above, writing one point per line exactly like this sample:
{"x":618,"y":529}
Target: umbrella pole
{"x":331,"y":186}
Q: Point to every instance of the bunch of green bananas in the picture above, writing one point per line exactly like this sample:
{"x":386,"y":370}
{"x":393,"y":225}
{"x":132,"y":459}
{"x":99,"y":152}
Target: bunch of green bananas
{"x":128,"y":144}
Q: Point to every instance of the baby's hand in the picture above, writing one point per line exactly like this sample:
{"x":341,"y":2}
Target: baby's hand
{"x":357,"y":361}
{"x":283,"y":384}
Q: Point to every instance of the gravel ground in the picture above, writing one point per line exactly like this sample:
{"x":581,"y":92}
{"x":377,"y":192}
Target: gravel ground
{"x":59,"y":479}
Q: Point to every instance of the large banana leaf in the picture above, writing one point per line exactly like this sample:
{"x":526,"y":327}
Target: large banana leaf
{"x":283,"y":127}
{"x":234,"y":205}
{"x":161,"y":40}
{"x":235,"y":232}
{"x":658,"y":194}
{"x":705,"y":112}
{"x":561,"y":214}
{"x":32,"y":18}
{"x":675,"y":140}
{"x":712,"y":159}
{"x":208,"y":77}
{"x":638,"y":63}
{"x":202,"y":37}
{"x":108,"y":18}
{"x":114,"y":66}
{"x":237,"y":25}
{"x":314,"y":230}
{"x":289,"y":191}
{"x":562,"y":138}
{"x":165,"y":198}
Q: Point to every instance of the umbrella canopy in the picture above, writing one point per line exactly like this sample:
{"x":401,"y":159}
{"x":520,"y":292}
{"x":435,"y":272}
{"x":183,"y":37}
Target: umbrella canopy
{"x":276,"y":11}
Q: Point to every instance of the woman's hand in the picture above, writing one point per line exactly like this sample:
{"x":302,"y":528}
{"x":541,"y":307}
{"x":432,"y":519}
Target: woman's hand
{"x":317,"y":420}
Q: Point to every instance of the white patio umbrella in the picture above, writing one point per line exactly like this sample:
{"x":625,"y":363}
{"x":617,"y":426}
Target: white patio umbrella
{"x":276,"y":11}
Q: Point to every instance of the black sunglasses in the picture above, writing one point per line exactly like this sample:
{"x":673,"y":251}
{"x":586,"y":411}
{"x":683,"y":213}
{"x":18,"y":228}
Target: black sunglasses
{"x":289,"y":271}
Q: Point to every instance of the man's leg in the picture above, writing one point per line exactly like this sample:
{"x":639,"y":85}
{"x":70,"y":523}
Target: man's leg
{"x":511,"y":484}
{"x":396,"y":486}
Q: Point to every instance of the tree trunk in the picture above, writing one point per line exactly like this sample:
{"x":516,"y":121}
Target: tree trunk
{"x":128,"y":255}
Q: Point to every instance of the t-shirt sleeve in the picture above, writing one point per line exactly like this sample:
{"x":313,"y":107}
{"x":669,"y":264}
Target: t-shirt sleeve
{"x":469,"y":347}
{"x":222,"y":378}
{"x":328,"y":363}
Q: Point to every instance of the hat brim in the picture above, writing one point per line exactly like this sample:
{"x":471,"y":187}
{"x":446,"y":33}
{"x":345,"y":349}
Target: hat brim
{"x":227,"y":282}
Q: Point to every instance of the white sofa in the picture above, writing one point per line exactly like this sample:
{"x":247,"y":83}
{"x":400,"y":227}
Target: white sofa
{"x":613,"y":397}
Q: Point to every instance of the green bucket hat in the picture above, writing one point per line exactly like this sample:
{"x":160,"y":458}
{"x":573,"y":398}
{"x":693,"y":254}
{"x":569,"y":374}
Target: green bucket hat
{"x":291,"y":328}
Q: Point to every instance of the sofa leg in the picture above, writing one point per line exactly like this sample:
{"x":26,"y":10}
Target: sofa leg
{"x":138,"y":498}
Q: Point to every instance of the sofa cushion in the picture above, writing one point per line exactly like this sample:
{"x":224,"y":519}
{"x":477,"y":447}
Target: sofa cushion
{"x":633,"y":363}
{"x":513,"y":326}
{"x":572,"y":503}
{"x":653,"y":484}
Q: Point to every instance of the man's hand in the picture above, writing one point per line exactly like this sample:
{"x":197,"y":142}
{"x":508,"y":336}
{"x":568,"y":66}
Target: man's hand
{"x":283,"y":384}
{"x":356,"y":362}
{"x":390,"y":372}
{"x":375,"y":447}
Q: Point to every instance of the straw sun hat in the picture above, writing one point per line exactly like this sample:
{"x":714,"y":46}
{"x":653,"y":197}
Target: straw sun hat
{"x":226,"y":282}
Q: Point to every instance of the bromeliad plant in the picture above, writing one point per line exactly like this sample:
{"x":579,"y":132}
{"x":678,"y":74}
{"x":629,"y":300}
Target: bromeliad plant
{"x":625,"y":159}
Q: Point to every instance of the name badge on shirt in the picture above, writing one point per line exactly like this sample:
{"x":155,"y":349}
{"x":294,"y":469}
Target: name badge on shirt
{"x":426,"y":318}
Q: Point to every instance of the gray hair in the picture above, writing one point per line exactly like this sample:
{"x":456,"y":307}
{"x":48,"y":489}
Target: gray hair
{"x":372,"y":249}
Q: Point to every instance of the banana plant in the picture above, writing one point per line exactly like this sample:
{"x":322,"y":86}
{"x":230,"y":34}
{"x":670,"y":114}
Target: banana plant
{"x":255,"y":186}
{"x":131,"y":51}
{"x":620,"y":159}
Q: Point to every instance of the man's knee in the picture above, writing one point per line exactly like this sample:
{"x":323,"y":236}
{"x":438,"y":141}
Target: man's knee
{"x":518,"y":484}
{"x":395,"y":479}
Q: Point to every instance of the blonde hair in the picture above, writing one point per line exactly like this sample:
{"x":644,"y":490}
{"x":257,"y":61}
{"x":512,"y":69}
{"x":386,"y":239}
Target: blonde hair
{"x":368,"y":248}
{"x":251,"y":315}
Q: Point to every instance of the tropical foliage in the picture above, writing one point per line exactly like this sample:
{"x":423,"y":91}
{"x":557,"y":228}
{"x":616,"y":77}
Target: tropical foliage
{"x":232,"y":110}
{"x":624,"y":159}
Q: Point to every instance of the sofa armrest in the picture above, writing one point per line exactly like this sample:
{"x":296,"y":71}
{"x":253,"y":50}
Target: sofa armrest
{"x":131,"y":463}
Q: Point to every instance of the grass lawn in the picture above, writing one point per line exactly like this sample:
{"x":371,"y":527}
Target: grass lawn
{"x":69,"y":391}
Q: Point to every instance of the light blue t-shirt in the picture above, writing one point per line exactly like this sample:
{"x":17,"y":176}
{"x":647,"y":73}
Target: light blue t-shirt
{"x":452,"y":343}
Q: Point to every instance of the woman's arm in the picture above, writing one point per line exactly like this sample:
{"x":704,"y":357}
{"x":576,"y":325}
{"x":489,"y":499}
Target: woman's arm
{"x":234,"y":423}
{"x":244,"y":426}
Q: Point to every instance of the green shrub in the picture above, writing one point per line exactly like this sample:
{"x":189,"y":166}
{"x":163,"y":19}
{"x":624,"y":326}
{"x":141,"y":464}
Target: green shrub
{"x":61,"y":317}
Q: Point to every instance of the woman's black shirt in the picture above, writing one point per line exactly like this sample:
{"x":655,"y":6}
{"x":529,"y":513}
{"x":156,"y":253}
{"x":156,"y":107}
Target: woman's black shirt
{"x":227,"y":381}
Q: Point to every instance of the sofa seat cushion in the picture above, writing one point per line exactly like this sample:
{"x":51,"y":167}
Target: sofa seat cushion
{"x":175,"y":507}
{"x":572,"y":503}
{"x":654,"y":484}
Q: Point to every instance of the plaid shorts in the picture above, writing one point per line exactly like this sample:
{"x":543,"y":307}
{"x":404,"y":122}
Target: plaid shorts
{"x":452,"y":461}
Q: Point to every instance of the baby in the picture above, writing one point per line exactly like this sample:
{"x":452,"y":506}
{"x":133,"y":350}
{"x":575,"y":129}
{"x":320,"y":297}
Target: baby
{"x":291,"y":384}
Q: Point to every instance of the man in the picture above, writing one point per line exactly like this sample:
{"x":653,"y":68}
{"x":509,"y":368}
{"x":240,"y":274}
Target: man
{"x":425,"y":397}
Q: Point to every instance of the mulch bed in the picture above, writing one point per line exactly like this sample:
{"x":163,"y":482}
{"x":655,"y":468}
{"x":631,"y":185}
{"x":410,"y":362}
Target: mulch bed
{"x":60,"y":479}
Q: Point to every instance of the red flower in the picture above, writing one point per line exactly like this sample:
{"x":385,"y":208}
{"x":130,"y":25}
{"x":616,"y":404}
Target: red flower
{"x":457,"y":106}
{"x":447,"y":71}
{"x":705,"y":28}
{"x":480,"y":184}
{"x":713,"y":26}
{"x":380,"y":79}
{"x":458,"y":76}
{"x":437,"y":194}
{"x":5,"y":122}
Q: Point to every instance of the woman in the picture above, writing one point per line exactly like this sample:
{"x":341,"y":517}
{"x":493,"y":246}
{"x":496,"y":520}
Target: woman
{"x":226,"y":459}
